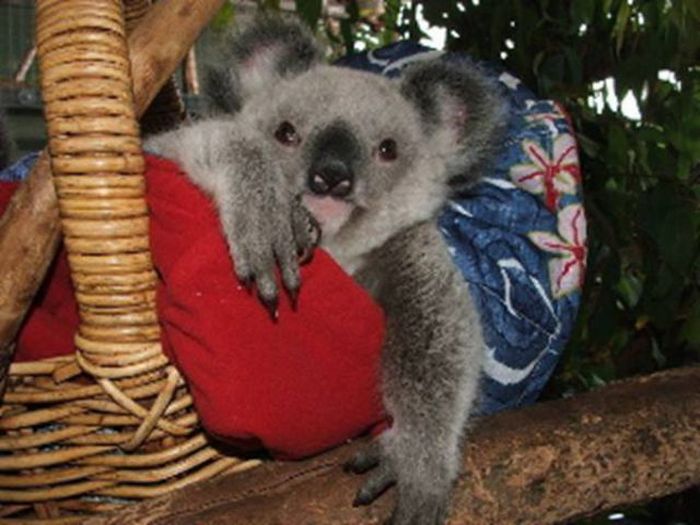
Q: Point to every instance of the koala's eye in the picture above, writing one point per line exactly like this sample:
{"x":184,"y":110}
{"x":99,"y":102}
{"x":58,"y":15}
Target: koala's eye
{"x":286,"y":134}
{"x":388,"y":150}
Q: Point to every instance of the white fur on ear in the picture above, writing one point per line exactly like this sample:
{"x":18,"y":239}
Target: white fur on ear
{"x":259,"y":55}
{"x":259,"y":70}
{"x":453,"y":115}
{"x":461,"y":108}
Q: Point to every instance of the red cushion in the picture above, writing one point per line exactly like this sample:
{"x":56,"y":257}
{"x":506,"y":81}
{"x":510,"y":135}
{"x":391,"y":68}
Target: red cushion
{"x":298,"y":386}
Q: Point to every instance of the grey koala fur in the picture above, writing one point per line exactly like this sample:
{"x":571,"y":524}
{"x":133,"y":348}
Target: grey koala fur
{"x":372,"y":160}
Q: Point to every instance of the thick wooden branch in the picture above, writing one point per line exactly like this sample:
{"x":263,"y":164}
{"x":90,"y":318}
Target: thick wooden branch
{"x":29,"y":230}
{"x":29,"y":236}
{"x":551,"y":462}
{"x":160,"y":42}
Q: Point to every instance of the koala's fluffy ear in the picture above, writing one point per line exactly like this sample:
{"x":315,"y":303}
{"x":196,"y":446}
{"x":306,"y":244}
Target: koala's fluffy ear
{"x":268,"y":49}
{"x":462,"y":110}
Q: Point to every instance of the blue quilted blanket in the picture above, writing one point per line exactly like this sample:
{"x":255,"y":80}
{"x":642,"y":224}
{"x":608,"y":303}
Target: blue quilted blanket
{"x":519,"y":237}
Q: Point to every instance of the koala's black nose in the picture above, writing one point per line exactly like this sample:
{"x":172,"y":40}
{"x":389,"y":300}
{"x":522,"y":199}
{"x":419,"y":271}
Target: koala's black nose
{"x":334,"y":156}
{"x":331,"y":177}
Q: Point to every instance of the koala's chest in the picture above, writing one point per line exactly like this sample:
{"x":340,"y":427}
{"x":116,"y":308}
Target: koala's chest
{"x":343,"y":254}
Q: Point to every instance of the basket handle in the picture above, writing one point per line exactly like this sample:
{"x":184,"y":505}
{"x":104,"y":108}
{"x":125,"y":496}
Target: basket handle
{"x":98,"y":165}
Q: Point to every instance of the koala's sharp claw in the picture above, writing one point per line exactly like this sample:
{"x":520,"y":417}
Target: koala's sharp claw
{"x":364,"y":460}
{"x":247,"y":283}
{"x":271,"y":307}
{"x":294,"y":297}
{"x":305,"y":255}
{"x":314,"y":231}
{"x":359,"y":501}
{"x":307,"y":231}
{"x":375,"y":486}
{"x":289,"y":268}
{"x":317,"y":236}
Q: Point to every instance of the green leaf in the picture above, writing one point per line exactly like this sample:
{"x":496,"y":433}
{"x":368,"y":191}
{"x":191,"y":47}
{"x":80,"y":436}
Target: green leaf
{"x":630,"y":289}
{"x":694,"y":8}
{"x":685,"y":164}
{"x":348,"y":35}
{"x":582,"y":11}
{"x":618,"y":146}
{"x":668,"y":218}
{"x":691,"y":328}
{"x":677,"y":239}
{"x":309,"y":11}
{"x":607,"y":5}
{"x":651,"y":134}
{"x":663,"y":309}
{"x":573,"y":60}
{"x":551,"y":72}
{"x":605,"y":319}
{"x":223,"y":18}
{"x":270,"y":4}
{"x":623,"y":16}
{"x":657,"y":354}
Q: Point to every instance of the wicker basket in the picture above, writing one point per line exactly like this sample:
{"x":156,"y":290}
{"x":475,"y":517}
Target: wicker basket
{"x":113,"y":423}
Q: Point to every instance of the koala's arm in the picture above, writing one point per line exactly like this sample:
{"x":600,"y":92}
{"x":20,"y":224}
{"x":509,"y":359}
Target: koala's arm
{"x":262,"y":220}
{"x":431,"y":363}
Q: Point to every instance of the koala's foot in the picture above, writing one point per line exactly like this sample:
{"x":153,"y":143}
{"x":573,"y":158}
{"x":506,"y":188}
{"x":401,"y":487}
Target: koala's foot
{"x":427,"y":505}
{"x":382,"y":477}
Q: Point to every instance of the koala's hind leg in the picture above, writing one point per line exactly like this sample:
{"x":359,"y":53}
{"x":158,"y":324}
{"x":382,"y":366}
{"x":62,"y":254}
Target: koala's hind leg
{"x":430,"y":370}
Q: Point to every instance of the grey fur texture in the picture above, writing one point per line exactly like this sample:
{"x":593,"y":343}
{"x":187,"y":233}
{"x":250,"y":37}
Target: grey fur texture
{"x":262,"y":219}
{"x":288,"y":46}
{"x":371,"y":159}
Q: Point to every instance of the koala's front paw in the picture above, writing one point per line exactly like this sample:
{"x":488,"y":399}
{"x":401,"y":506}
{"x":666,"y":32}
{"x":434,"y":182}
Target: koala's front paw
{"x":262,"y":237}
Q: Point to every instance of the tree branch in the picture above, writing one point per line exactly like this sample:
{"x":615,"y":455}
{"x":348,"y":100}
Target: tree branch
{"x":554,"y":461}
{"x":29,"y":237}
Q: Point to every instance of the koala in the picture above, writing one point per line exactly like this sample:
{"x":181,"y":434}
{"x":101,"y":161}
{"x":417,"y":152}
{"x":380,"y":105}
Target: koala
{"x":298,"y":145}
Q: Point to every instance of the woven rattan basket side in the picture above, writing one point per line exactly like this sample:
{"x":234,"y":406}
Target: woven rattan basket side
{"x":113,"y":423}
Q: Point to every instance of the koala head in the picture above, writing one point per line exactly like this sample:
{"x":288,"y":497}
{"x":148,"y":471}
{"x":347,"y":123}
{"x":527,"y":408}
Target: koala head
{"x":368,"y":154}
